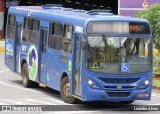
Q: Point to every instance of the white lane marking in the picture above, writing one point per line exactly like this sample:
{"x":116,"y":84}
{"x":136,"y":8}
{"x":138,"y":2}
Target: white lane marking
{"x":17,"y":87}
{"x":57,"y":101}
{"x":155,"y":95}
{"x":2,"y":103}
{"x":154,"y":104}
{"x":37,"y":101}
{"x":4,"y":71}
{"x":51,"y":102}
{"x":27,"y":103}
{"x":40,"y":102}
{"x":13,"y":102}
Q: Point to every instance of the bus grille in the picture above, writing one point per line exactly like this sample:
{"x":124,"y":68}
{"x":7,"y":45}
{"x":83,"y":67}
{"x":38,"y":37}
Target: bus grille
{"x":115,"y":87}
{"x":118,"y":94}
{"x":119,"y":80}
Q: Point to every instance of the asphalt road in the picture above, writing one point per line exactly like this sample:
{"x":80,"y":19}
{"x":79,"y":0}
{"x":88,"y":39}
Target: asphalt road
{"x":13,"y":93}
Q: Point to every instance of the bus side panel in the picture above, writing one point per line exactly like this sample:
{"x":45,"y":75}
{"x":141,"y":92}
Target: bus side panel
{"x":53,"y":81}
{"x":52,"y":69}
{"x":9,"y":53}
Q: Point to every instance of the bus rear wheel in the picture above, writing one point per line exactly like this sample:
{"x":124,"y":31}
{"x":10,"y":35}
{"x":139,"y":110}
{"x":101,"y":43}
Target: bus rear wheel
{"x":65,"y":91}
{"x":25,"y":77}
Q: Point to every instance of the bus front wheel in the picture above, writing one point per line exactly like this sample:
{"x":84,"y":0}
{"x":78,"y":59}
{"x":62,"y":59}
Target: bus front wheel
{"x":25,"y":77}
{"x":65,"y":91}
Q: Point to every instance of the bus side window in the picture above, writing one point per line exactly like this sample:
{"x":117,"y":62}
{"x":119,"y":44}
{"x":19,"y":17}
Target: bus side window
{"x":55,"y":36}
{"x":26,"y":31}
{"x":67,"y":38}
{"x":58,"y":29}
{"x":34,"y":31}
{"x":10,"y":27}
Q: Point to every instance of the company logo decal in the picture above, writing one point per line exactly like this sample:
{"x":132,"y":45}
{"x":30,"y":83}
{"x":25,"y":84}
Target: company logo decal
{"x":119,"y":87}
{"x":32,"y":59}
{"x":9,"y":48}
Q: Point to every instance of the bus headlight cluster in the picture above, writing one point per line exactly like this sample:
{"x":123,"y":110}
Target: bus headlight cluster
{"x":145,"y":84}
{"x":92,"y":83}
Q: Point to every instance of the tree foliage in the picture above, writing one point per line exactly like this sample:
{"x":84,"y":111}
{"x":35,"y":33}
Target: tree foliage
{"x":152,"y":14}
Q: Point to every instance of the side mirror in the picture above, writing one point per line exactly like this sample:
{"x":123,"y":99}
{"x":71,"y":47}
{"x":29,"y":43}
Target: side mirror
{"x":84,"y":43}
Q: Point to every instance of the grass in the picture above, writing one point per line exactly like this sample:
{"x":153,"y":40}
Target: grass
{"x":156,"y":82}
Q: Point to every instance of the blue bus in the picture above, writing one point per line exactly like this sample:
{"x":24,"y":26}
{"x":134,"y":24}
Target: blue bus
{"x":86,"y":55}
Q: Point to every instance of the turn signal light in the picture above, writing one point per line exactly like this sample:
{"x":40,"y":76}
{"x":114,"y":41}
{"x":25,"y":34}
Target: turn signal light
{"x":143,"y":94}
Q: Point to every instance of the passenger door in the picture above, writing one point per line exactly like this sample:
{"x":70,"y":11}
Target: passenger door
{"x":42,"y":54}
{"x":17,"y":52}
{"x":78,"y":67}
{"x":10,"y":42}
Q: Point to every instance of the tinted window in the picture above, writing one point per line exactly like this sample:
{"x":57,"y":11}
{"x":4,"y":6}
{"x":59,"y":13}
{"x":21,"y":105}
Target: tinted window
{"x":35,"y":24}
{"x":58,"y":29}
{"x":26,"y":30}
{"x":61,"y":36}
{"x":26,"y":23}
{"x":111,"y":54}
{"x":31,"y":30}
{"x":10,"y":27}
{"x":56,"y":36}
{"x":19,"y":32}
{"x":34,"y":31}
{"x":55,"y":42}
{"x":67,"y":39}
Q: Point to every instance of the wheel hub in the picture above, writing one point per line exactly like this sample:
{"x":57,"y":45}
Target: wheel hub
{"x":66,"y":90}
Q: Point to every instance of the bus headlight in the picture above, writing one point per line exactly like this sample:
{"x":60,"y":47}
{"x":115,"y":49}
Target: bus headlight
{"x":92,"y":83}
{"x":146,"y":82}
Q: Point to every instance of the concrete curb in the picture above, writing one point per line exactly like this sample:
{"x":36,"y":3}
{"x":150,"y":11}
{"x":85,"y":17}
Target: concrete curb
{"x":2,"y":49}
{"x":2,"y":45}
{"x":156,"y":87}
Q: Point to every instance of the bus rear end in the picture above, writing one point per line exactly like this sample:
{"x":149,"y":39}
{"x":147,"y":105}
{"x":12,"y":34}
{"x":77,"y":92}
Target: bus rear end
{"x":118,"y":62}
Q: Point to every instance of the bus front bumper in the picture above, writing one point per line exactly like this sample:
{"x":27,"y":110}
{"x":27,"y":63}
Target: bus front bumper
{"x":90,"y":94}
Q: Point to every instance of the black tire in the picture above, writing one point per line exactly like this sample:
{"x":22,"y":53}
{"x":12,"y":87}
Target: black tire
{"x":25,"y":77}
{"x":65,"y":98}
{"x":126,"y":102}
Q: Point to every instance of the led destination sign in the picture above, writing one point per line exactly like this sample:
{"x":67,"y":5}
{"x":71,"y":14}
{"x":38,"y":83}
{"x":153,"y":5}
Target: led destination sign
{"x":118,"y":28}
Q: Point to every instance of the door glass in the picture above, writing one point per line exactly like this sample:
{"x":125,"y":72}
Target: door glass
{"x":43,"y":41}
{"x":19,"y":33}
{"x":44,"y":37}
{"x":78,"y":70}
{"x":17,"y":43}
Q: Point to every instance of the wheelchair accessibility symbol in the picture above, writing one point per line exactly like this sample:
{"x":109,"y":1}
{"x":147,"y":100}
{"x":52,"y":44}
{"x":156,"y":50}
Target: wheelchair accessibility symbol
{"x":125,"y":67}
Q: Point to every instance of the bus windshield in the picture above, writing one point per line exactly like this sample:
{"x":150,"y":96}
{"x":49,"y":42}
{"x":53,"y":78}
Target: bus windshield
{"x":106,"y":54}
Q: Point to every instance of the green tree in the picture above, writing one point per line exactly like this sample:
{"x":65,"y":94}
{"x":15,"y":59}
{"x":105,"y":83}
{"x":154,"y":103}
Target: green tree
{"x":152,"y":14}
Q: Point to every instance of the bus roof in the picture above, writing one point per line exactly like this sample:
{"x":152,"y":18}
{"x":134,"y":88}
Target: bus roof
{"x":68,"y":15}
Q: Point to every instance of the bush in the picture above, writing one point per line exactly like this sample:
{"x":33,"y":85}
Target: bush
{"x":152,"y":14}
{"x":156,"y":67}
